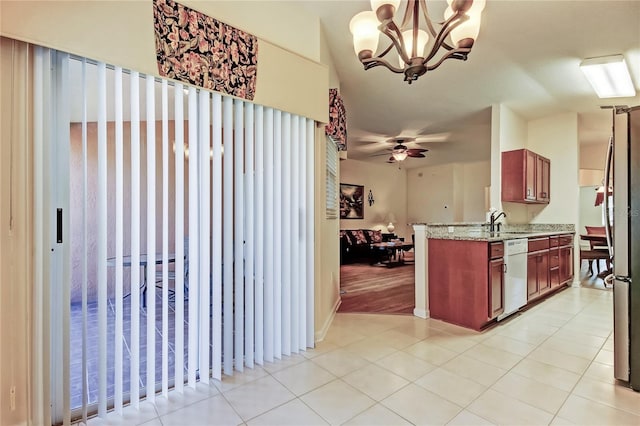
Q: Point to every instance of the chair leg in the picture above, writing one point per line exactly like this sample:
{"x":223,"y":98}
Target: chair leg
{"x":590,"y":267}
{"x":598,"y":265}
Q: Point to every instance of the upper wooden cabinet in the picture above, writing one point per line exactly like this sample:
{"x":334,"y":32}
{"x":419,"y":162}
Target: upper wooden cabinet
{"x":525,"y":177}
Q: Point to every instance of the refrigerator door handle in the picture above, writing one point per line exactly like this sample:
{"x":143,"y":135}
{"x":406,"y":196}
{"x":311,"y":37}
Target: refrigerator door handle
{"x":622,"y":278}
{"x":607,"y":180}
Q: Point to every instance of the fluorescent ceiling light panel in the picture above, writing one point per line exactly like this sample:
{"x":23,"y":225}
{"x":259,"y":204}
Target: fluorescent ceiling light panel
{"x":609,"y":76}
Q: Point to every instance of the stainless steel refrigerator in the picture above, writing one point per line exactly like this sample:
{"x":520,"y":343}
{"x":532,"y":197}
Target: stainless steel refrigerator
{"x":623,"y":235}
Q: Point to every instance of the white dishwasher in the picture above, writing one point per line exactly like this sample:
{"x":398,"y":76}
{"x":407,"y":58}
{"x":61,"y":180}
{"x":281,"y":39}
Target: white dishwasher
{"x":515,"y":275}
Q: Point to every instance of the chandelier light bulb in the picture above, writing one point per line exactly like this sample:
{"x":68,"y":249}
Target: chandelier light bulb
{"x":364,"y":28}
{"x":423,"y":39}
{"x":469,"y":29}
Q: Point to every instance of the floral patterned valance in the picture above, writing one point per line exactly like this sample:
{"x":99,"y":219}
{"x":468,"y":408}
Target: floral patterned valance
{"x":337,"y":127}
{"x":197,"y":49}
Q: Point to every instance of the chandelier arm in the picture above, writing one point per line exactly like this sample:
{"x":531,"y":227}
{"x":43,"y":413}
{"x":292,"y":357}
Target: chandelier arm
{"x":460,"y":53}
{"x":397,"y":40}
{"x":425,"y":13}
{"x":374,"y":62}
{"x":448,"y":25}
{"x":416,"y":26}
{"x":407,"y":13}
{"x":427,"y":18}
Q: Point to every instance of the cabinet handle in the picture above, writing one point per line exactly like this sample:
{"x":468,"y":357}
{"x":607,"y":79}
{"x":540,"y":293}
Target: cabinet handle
{"x":504,"y":268}
{"x":544,"y":195}
{"x":528,"y":192}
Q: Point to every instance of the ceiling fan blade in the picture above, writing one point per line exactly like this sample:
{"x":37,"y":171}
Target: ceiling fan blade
{"x":391,"y":160}
{"x":379,"y":154}
{"x":416,"y":150}
{"x":416,"y":155}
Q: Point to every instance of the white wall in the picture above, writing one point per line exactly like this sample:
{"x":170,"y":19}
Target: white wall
{"x":556,"y":138}
{"x":508,"y":132}
{"x":448,"y":193}
{"x":389,"y":187}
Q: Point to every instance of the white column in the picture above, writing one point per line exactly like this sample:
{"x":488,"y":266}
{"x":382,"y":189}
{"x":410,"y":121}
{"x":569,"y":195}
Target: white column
{"x":422,"y":272}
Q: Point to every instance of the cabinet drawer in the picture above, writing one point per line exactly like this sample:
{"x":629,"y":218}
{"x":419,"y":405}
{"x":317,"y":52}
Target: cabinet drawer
{"x":565,"y":240}
{"x":536,"y":244}
{"x":554,"y":277}
{"x":496,"y":250}
{"x":554,"y":258}
{"x":553,"y":241}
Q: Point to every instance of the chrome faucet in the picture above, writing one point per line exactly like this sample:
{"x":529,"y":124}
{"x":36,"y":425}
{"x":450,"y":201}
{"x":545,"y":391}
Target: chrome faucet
{"x":494,"y":218}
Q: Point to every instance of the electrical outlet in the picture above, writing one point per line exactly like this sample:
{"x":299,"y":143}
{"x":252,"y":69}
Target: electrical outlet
{"x":12,"y":398}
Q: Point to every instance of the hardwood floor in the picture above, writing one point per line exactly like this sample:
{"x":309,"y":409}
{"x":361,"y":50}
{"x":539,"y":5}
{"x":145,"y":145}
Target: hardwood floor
{"x":377,"y":289}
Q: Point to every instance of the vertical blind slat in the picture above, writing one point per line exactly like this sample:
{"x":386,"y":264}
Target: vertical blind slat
{"x":259,"y":230}
{"x":150,"y":278}
{"x":102,"y":240}
{"x":85,"y":245}
{"x":216,"y":243}
{"x":135,"y":239}
{"x":227,"y":220}
{"x":269,"y":238}
{"x":277,"y":233}
{"x":295,"y":219}
{"x":249,"y":237}
{"x":179,"y":236}
{"x":286,"y":233}
{"x":205,"y":216}
{"x":194,"y":267}
{"x":118,"y":397}
{"x":165,"y":238}
{"x":238,"y":216}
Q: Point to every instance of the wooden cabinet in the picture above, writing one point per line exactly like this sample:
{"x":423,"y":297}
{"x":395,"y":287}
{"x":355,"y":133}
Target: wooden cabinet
{"x":543,"y":166}
{"x":465,"y":284}
{"x":538,"y":268}
{"x":565,"y":259}
{"x":525,"y":177}
{"x":496,"y":280}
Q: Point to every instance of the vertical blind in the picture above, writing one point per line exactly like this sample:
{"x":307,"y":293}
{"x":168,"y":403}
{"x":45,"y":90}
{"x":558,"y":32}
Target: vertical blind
{"x":201,"y":263}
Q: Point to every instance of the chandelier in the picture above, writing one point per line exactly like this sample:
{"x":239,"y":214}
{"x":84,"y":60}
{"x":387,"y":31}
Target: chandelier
{"x":457,"y":34}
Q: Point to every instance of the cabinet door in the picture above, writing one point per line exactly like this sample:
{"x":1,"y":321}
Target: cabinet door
{"x":496,"y":287}
{"x":542,"y":265}
{"x":530,"y":175}
{"x":543,"y":166}
{"x":566,"y":264}
{"x":532,"y":276}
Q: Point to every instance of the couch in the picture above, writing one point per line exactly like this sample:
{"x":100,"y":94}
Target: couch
{"x":355,"y":245}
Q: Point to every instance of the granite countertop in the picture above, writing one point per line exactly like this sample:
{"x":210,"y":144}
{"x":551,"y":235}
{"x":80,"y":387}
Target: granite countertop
{"x":494,"y":236}
{"x":479,"y":232}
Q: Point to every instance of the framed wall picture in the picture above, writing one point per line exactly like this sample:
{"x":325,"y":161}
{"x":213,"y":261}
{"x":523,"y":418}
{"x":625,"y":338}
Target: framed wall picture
{"x":351,"y":201}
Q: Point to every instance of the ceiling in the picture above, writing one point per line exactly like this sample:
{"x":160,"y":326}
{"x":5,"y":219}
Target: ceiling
{"x":526,"y":57}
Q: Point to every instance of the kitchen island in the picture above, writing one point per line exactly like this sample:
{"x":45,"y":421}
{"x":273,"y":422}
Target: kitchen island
{"x":466,"y":269}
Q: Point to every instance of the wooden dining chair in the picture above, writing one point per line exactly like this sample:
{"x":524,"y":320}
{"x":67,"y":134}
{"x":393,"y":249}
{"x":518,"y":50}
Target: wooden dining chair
{"x":598,"y":250}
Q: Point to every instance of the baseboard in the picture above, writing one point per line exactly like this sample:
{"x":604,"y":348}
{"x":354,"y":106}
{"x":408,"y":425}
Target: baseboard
{"x":422,"y":313}
{"x":320,"y":334}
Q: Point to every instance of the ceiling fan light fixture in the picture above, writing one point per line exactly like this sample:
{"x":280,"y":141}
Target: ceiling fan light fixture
{"x":399,"y":153}
{"x":609,"y":76}
{"x":451,"y":39}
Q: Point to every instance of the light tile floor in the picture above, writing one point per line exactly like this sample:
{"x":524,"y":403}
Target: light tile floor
{"x":549,"y":365}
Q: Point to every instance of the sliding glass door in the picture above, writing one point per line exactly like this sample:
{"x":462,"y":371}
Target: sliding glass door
{"x":182,"y":234}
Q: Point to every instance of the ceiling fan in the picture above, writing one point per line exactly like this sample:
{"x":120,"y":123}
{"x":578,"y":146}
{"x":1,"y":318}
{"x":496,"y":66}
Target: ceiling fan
{"x":400,"y":152}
